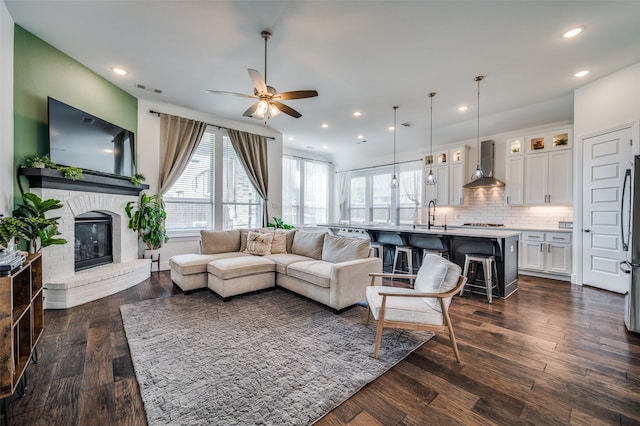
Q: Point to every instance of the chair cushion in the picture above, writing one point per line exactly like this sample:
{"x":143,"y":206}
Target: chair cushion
{"x":220,"y":241}
{"x":436,"y":275}
{"x":342,"y":249}
{"x":308,"y":244}
{"x":403,"y":309}
{"x":312,"y":271}
{"x":240,"y":267}
{"x":259,"y":243}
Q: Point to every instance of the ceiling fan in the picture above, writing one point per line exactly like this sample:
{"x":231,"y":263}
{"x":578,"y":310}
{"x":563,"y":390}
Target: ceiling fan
{"x":268,"y":104}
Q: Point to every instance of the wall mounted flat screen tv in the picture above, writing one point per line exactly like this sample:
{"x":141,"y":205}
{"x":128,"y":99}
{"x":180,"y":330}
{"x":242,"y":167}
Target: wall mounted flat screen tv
{"x":79,"y":139}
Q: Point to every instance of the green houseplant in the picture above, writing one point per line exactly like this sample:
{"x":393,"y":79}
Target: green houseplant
{"x":29,"y":223}
{"x":146,"y":217}
{"x":278,"y":223}
{"x":44,"y":162}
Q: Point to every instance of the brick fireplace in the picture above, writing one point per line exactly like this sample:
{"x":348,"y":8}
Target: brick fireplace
{"x":66,"y":287}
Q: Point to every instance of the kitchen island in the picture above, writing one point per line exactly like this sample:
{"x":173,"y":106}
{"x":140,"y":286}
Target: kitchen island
{"x":457,"y":241}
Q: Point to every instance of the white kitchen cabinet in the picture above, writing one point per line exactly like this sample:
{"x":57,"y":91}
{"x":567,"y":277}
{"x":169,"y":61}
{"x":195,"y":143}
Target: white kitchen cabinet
{"x":548,"y":168}
{"x":546,"y":252}
{"x":449,"y":167}
{"x":514,"y":185}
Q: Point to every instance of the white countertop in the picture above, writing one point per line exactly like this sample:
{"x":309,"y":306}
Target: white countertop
{"x":466,"y":231}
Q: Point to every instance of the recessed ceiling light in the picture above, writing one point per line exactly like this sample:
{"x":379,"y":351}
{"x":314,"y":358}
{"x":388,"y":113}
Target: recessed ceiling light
{"x":324,"y":126}
{"x":392,"y":128}
{"x":119,"y":71}
{"x":291,"y":138}
{"x":463,"y":108}
{"x":573,"y":32}
{"x":581,"y":73}
{"x":360,"y":136}
{"x":357,"y":114}
{"x":325,"y":146}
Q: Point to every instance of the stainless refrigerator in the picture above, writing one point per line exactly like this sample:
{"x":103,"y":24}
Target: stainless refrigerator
{"x":629,"y":228}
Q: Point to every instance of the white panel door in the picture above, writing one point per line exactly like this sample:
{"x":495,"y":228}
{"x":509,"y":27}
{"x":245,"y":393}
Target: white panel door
{"x":605,"y":159}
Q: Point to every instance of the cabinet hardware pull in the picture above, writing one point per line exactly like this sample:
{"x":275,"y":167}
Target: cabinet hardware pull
{"x":541,"y":248}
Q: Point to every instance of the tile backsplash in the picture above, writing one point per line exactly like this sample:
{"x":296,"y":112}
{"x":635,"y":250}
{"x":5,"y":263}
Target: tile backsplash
{"x":487,"y":206}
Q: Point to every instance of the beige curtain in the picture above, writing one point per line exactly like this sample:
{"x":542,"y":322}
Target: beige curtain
{"x":252,"y":152}
{"x":344,"y":180}
{"x":179,"y":138}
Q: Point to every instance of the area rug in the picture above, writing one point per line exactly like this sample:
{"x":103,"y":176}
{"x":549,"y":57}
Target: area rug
{"x":272,"y":358}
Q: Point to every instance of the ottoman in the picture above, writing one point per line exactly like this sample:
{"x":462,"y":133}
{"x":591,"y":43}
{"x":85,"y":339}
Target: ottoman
{"x":239,"y":275}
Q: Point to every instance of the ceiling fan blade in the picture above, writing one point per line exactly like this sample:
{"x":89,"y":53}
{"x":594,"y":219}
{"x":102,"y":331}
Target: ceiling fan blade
{"x":258,"y":81}
{"x":296,"y":94}
{"x":287,"y":109}
{"x":242,"y":95}
{"x":251,"y":110}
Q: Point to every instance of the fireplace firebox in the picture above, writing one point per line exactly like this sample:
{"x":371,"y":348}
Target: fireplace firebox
{"x":93,"y":240}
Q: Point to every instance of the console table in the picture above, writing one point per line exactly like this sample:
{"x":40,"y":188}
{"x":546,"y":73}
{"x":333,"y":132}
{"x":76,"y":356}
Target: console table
{"x":21,"y":324}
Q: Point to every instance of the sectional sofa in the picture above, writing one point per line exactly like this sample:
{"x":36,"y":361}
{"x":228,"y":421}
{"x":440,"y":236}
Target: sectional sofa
{"x":329,"y":269}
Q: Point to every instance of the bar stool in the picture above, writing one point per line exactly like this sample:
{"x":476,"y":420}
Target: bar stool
{"x":407,"y":251}
{"x":439,"y":252}
{"x":489,"y":268}
{"x":378,"y":249}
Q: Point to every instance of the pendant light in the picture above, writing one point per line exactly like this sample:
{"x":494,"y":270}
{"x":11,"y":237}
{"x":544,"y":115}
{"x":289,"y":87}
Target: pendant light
{"x":431,"y":178}
{"x":394,"y":179}
{"x":477,"y":173}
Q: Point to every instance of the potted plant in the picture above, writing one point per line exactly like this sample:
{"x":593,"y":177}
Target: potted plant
{"x":146,"y":217}
{"x":44,"y":162}
{"x":278,"y":223}
{"x":29,"y":223}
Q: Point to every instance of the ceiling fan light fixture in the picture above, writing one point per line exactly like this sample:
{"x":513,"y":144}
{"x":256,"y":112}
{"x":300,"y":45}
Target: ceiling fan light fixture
{"x":273,"y":110}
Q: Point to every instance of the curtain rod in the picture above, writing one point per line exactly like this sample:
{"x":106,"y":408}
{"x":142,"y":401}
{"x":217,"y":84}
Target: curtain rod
{"x":380,"y":165}
{"x":306,"y":158}
{"x":209,"y":124}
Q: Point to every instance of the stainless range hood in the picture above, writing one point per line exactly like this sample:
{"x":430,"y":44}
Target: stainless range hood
{"x":487,"y":149}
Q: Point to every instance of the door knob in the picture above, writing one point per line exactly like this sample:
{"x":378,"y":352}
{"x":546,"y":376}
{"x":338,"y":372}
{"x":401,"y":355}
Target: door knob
{"x":587,"y":230}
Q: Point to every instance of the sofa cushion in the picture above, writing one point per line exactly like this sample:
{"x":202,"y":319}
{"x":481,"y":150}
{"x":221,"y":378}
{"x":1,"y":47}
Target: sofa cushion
{"x":289,"y":234}
{"x":243,"y":238}
{"x":282,"y":260}
{"x":279,"y":243}
{"x":312,"y":271}
{"x":187,"y":264}
{"x":308,"y":244}
{"x":235,"y":267}
{"x":436,"y":275}
{"x":220,"y":241}
{"x":259,"y":243}
{"x":342,"y":249}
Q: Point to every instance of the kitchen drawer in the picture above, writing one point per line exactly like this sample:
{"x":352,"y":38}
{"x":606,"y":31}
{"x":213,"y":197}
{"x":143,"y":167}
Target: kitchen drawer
{"x":558,"y":237}
{"x":533,"y":236}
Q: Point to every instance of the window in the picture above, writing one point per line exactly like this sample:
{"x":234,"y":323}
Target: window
{"x":192,"y":202}
{"x":371,"y":198}
{"x":242,"y":205}
{"x":357,"y":199}
{"x":409,"y":196}
{"x":305,"y":191}
{"x":381,"y":198}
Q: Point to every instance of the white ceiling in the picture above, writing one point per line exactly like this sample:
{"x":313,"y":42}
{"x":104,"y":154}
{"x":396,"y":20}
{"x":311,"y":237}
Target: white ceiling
{"x":359,"y":55}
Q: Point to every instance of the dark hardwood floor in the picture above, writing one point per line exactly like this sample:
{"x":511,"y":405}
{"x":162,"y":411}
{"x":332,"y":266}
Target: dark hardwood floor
{"x":550,"y":354}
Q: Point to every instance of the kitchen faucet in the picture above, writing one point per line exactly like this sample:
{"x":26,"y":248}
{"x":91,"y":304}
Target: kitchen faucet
{"x":429,"y":216}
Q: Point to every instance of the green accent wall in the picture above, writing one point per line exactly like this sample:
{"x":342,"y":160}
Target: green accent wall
{"x":41,"y":70}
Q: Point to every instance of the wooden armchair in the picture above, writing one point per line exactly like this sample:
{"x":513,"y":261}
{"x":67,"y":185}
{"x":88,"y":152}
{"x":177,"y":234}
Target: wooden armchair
{"x":423,"y":307}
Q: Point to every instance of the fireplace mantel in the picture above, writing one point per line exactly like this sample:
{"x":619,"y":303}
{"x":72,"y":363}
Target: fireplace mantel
{"x":91,"y":182}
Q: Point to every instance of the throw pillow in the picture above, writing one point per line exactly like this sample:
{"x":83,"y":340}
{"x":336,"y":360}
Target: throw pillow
{"x":259,"y":243}
{"x":213,"y":242}
{"x":308,"y":244}
{"x":243,"y":238}
{"x":436,"y":275}
{"x":342,"y":249}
